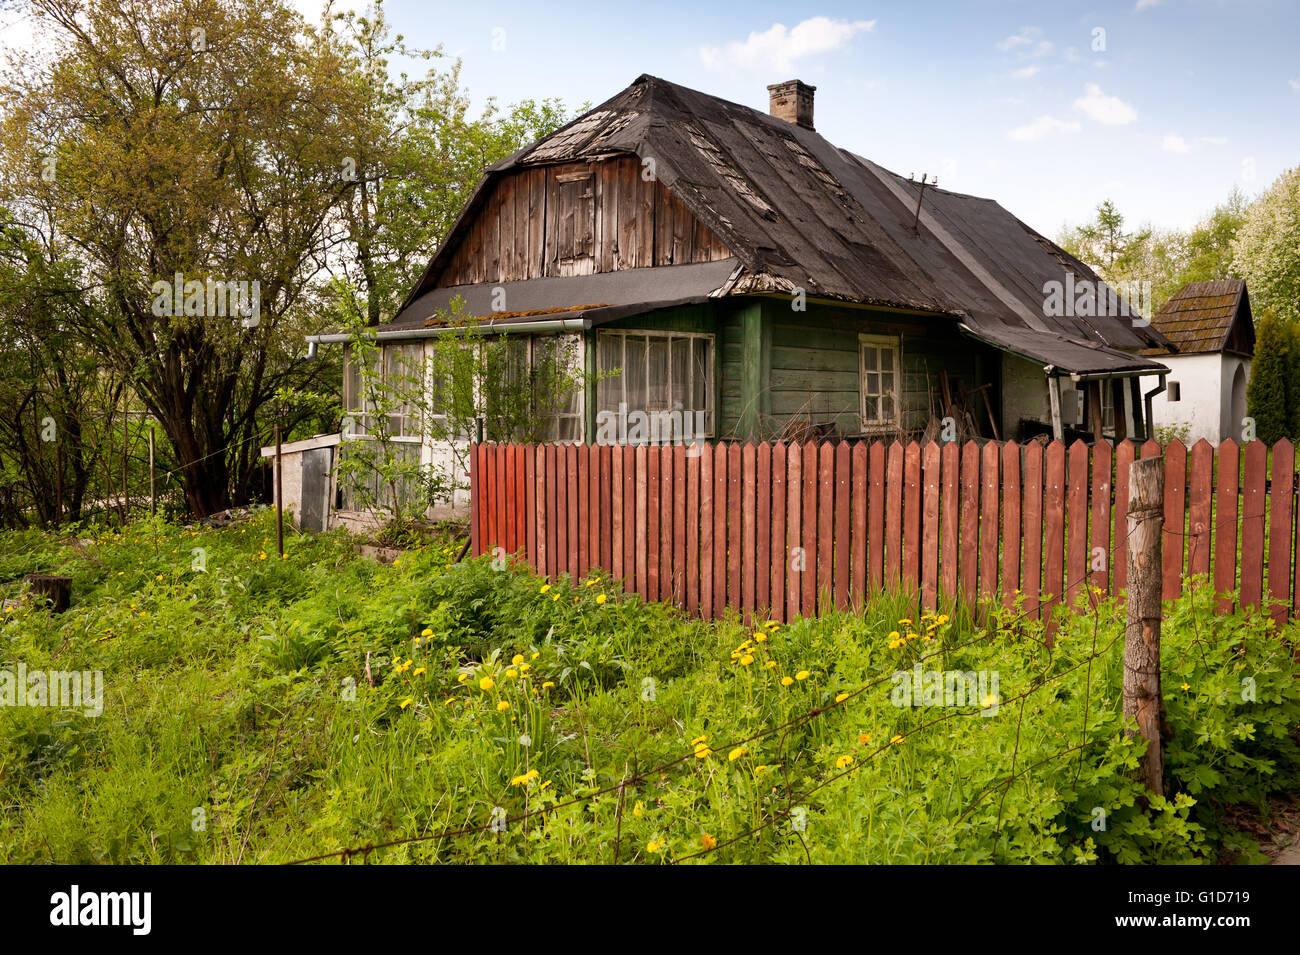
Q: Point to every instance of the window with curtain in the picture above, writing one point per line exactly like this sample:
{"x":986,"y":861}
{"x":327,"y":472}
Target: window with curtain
{"x":656,"y":372}
{"x":879,"y":377}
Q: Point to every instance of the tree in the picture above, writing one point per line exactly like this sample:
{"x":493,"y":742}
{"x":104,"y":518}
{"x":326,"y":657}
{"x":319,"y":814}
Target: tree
{"x":181,"y":145}
{"x":413,"y":158}
{"x":1266,"y":250}
{"x":1269,"y":397}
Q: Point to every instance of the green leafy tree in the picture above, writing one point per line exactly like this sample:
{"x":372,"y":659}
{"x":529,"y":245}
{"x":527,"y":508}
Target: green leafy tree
{"x":1269,"y":397}
{"x":1266,"y":250}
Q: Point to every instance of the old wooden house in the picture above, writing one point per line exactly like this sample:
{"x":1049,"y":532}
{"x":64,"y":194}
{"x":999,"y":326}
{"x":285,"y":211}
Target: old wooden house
{"x":738,"y":271}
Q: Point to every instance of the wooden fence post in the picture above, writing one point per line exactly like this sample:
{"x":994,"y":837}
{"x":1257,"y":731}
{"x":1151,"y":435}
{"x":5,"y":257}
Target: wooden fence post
{"x":1142,"y":700}
{"x":279,"y":497}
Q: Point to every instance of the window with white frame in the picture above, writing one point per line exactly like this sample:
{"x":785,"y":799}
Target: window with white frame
{"x":396,"y":370}
{"x":658,"y":373}
{"x":879,"y":370}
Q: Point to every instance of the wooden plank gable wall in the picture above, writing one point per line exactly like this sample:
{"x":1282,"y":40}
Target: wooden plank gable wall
{"x":577,"y":219}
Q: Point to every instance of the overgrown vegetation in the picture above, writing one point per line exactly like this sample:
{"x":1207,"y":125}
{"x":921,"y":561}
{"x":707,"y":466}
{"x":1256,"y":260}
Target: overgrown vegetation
{"x":264,"y":710}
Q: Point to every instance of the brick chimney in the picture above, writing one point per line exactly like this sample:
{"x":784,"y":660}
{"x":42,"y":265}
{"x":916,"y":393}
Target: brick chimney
{"x":792,"y":101}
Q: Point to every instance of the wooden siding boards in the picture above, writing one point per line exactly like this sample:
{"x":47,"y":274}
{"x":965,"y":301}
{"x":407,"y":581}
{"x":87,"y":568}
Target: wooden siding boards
{"x":576,"y":218}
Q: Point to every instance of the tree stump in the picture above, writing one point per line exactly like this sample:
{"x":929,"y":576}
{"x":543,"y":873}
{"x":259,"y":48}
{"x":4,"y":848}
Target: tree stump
{"x":56,"y":590}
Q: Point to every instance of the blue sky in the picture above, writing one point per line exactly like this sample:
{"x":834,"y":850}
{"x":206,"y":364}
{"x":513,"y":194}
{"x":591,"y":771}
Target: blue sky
{"x":1007,"y":100}
{"x":1167,"y":109}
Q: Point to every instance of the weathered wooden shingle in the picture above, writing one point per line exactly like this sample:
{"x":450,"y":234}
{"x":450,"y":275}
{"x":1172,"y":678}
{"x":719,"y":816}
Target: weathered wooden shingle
{"x":1208,"y":317}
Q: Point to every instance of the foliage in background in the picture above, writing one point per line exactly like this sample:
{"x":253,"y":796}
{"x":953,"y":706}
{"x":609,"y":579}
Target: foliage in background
{"x":223,"y":140}
{"x":1266,"y":250}
{"x":1272,"y":396}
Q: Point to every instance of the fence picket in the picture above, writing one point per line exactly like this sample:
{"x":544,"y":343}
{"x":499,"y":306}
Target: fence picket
{"x":1125,"y":454}
{"x":1010,"y":522}
{"x":1099,"y":536}
{"x":912,"y":516}
{"x":858,"y":549}
{"x":970,"y":528}
{"x":1199,"y":482}
{"x":989,"y":511}
{"x":1076,"y":554}
{"x":748,"y":528}
{"x":841,"y":533}
{"x":1252,"y":524}
{"x":808,"y":580}
{"x":1279,"y":530}
{"x":763,"y":531}
{"x":794,"y":531}
{"x":719,"y":530}
{"x":776,"y":551}
{"x":876,"y":518}
{"x":949,"y":517}
{"x":894,"y":516}
{"x":1225,"y":523}
{"x":930,"y":523}
{"x":1031,"y":567}
{"x":1175,"y":532}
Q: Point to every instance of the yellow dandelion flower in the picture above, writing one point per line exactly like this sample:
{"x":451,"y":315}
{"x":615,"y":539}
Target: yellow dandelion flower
{"x":787,"y":680}
{"x":407,"y":702}
{"x":547,"y":685}
{"x":545,"y":589}
{"x":601,"y":598}
{"x":841,"y":697}
{"x":502,"y":706}
{"x":512,"y":673}
{"x":802,"y":675}
{"x":708,"y":841}
{"x":486,"y":683}
{"x":896,"y":739}
{"x":736,"y":753}
{"x":419,"y":670}
{"x":517,"y":659}
{"x":639,"y":809}
{"x":746,"y":660}
{"x":655,"y":845}
{"x":426,"y":633}
{"x":843,"y":761}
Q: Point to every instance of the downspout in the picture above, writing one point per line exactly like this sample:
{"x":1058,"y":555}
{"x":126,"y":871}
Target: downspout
{"x":1054,"y":394}
{"x":1146,"y":400}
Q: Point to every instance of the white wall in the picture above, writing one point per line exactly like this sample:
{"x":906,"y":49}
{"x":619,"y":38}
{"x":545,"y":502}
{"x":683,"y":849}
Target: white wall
{"x":1204,"y":405}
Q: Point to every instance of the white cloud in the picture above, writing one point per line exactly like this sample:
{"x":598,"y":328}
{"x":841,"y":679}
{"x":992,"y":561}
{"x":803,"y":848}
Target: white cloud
{"x":779,"y":48}
{"x":1295,"y":85}
{"x":1144,"y":4}
{"x":1026,"y":72}
{"x":1028,"y":42}
{"x":1177,"y":144}
{"x":1107,"y":110}
{"x":1040,"y":127}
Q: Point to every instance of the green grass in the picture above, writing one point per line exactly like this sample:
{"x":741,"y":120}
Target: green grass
{"x":265,"y":710}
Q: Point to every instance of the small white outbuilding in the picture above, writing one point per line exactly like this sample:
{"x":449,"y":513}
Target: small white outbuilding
{"x":1211,"y":326}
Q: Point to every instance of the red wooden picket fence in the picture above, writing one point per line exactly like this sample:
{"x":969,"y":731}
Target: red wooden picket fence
{"x":784,"y":530}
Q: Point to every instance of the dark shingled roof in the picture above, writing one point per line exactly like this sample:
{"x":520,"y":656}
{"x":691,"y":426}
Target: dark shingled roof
{"x":1206,"y":317}
{"x":798,"y":212}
